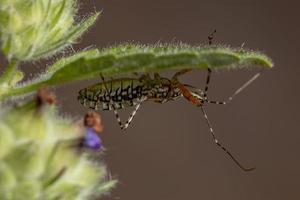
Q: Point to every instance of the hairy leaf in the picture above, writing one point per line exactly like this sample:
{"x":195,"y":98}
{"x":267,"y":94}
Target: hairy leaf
{"x":128,"y":58}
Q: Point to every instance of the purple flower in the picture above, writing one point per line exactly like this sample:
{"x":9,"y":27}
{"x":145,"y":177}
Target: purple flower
{"x":92,"y":139}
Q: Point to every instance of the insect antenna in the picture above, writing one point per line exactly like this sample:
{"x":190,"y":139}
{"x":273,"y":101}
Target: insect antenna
{"x":244,"y":86}
{"x":221,"y":146}
{"x":236,"y":92}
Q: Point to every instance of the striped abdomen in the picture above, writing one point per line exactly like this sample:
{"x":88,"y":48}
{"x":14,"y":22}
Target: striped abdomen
{"x":123,"y":93}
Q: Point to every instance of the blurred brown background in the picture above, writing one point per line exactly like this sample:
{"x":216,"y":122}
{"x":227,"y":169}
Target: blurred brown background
{"x":168,"y":153}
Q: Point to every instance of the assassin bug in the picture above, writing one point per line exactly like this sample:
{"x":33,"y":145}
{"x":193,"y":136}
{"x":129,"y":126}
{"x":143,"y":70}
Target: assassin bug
{"x":127,"y":92}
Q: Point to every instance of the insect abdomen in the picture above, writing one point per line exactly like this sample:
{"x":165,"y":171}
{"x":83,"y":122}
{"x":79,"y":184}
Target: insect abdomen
{"x":120,"y":93}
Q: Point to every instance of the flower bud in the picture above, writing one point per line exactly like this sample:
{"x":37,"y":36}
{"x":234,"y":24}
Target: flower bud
{"x":39,"y":155}
{"x":31,"y":29}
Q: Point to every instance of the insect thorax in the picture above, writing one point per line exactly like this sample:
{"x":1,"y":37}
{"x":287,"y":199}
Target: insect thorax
{"x":163,"y":93}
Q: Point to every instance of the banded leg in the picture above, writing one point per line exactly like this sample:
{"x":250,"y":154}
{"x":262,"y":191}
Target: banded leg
{"x":181,"y":72}
{"x":129,"y":120}
{"x":187,"y":94}
{"x":236,"y":92}
{"x":210,"y":41}
{"x":221,"y":146}
{"x":131,"y":116}
{"x":207,"y":83}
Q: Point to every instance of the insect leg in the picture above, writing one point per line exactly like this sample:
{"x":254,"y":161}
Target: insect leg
{"x":188,"y":95}
{"x":210,"y":41}
{"x":129,"y":120}
{"x":207,"y":82}
{"x":183,"y":71}
{"x":211,"y":37}
{"x":180,"y":73}
{"x":221,"y":146}
{"x":236,"y":92}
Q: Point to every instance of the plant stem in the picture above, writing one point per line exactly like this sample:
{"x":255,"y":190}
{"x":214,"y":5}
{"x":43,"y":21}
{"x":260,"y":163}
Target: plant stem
{"x":31,"y":87}
{"x":9,"y":72}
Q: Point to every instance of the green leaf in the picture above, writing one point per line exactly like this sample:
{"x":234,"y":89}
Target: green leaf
{"x":128,"y":58}
{"x":66,"y":61}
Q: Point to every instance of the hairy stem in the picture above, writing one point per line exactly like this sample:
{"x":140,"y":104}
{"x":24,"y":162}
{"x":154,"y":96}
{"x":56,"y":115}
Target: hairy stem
{"x":23,"y":89}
